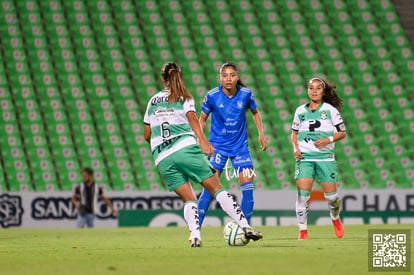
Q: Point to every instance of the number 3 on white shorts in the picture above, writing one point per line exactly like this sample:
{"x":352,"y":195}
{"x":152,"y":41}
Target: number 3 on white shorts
{"x":217,"y":159}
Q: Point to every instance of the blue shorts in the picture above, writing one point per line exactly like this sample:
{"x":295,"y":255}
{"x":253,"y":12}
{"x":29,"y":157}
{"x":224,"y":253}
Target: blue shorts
{"x":240,"y":162}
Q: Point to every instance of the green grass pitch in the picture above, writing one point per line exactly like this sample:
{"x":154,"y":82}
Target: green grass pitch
{"x":166,"y":251}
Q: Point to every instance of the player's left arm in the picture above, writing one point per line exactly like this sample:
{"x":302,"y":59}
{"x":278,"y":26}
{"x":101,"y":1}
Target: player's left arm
{"x":340,"y":132}
{"x":108,"y":203}
{"x":257,"y":118}
{"x":322,"y":142}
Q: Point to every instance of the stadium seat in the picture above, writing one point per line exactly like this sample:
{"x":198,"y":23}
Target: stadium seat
{"x":87,"y":69}
{"x":16,"y":171}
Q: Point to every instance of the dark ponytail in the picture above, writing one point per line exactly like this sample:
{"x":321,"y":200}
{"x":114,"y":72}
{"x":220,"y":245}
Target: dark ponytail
{"x":330,"y":95}
{"x":173,"y":80}
{"x":230,"y":64}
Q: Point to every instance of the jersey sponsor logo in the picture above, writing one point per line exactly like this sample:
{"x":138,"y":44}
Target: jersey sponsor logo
{"x":307,"y":140}
{"x":342,"y":127}
{"x":314,"y":124}
{"x":11,"y":210}
{"x":230,"y":122}
{"x":221,"y":105}
{"x":302,"y":117}
{"x":167,"y":144}
{"x":159,"y":99}
{"x":226,"y":131}
{"x":161,"y":111}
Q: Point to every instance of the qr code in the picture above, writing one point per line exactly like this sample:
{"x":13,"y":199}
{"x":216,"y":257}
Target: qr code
{"x":390,"y":250}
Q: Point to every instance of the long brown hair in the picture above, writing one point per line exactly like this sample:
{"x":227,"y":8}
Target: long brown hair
{"x":330,"y":95}
{"x":173,"y":80}
{"x":230,"y":64}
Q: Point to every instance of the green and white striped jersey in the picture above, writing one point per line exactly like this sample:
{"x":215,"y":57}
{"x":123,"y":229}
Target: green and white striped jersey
{"x":170,"y":130}
{"x":312,"y":125}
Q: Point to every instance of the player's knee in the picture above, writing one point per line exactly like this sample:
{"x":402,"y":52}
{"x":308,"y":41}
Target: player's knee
{"x":212,"y":185}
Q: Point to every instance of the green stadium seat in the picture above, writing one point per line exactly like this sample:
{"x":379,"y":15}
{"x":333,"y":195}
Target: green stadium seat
{"x":3,"y":183}
{"x":63,"y":68}
{"x":15,"y":170}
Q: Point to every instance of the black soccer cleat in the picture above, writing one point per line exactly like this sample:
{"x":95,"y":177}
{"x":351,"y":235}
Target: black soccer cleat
{"x":196,"y":242}
{"x":252,"y":234}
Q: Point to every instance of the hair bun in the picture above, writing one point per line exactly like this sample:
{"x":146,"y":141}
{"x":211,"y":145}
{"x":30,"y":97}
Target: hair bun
{"x":168,"y":67}
{"x":173,"y":69}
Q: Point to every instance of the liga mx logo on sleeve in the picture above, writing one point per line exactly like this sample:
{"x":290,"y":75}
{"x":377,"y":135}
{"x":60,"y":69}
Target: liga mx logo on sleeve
{"x":11,"y":210}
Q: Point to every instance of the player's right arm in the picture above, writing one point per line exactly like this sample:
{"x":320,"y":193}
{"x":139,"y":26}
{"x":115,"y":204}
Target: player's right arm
{"x":294,"y":139}
{"x":294,"y":136}
{"x":75,"y":198}
{"x":206,"y":109}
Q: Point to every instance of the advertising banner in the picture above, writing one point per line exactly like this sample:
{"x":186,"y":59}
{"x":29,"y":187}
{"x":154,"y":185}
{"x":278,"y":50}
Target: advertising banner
{"x":55,"y":209}
{"x":163,"y":218}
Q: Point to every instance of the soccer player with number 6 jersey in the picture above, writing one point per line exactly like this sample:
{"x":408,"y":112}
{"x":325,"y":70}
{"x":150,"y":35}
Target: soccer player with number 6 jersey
{"x":171,"y":127}
{"x":316,"y":127}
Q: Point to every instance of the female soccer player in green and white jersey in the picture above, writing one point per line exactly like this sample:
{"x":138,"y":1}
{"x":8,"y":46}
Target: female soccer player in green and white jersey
{"x":171,"y":127}
{"x":316,"y":127}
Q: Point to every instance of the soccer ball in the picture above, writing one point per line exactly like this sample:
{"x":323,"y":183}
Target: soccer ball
{"x":234,"y":235}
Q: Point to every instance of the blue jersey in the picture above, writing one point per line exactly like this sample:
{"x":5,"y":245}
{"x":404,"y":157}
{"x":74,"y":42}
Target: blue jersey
{"x":228,"y":131}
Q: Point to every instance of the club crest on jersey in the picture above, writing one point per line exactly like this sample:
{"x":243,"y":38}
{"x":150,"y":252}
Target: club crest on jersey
{"x":324,"y":115}
{"x":239,"y":104}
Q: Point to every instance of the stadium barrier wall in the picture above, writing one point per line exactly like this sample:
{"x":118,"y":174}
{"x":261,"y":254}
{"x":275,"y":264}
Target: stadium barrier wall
{"x":55,"y":209}
{"x":164,"y":218}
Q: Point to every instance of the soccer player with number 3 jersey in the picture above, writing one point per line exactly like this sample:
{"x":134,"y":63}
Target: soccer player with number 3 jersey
{"x":316,"y":127}
{"x":227,"y":104}
{"x":171,"y":127}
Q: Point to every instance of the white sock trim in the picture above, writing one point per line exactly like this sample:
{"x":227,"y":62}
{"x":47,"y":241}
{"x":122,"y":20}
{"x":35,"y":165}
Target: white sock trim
{"x":302,"y":226}
{"x":232,"y":208}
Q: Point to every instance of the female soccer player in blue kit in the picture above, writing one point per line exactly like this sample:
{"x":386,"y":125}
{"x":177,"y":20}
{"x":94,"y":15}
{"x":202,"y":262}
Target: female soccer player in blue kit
{"x":227,"y":105}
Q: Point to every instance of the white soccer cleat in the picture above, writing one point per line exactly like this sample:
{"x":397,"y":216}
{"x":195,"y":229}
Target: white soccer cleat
{"x":196,"y":242}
